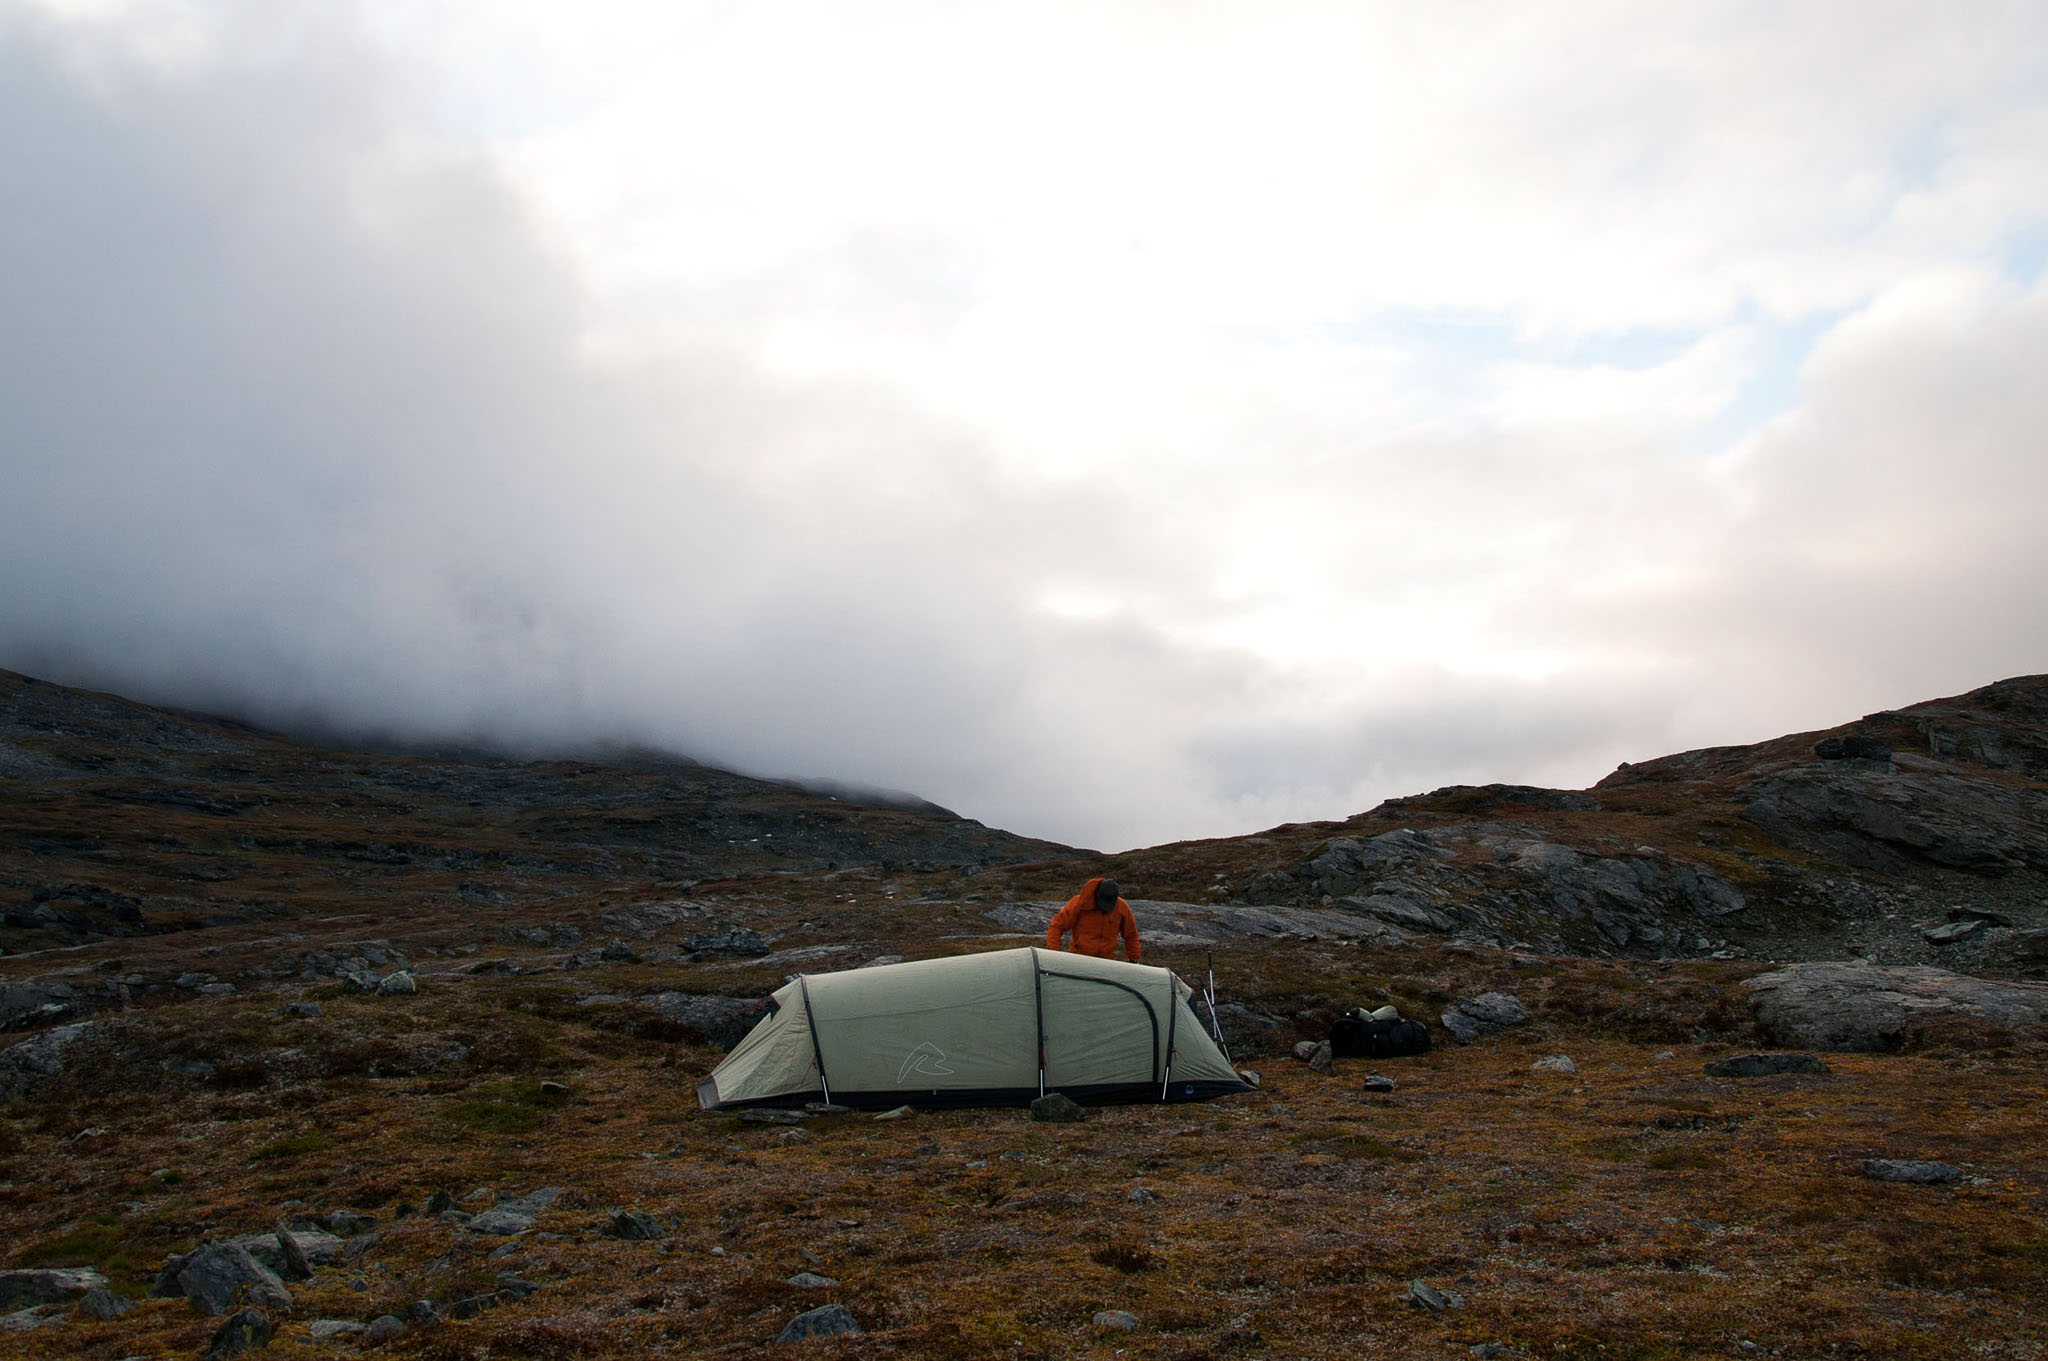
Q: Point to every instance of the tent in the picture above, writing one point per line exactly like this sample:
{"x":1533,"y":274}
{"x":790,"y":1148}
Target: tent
{"x":991,"y":1029}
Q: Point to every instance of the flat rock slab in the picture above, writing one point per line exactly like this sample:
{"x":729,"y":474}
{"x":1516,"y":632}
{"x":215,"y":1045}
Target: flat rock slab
{"x":1867,"y":1008}
{"x":831,"y":1320}
{"x":1915,"y":1173}
{"x":1766,"y":1065}
{"x":47,"y":1285}
{"x":1120,"y":1319}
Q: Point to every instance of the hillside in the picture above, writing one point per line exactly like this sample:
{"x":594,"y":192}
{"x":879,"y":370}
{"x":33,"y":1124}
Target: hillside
{"x":206,"y":924}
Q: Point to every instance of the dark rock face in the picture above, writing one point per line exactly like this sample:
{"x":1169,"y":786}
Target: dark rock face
{"x":1879,"y":820}
{"x":1855,"y":747}
{"x":1765,"y":1065}
{"x":709,"y":1017}
{"x":832,"y":1320}
{"x":1852,"y":1008}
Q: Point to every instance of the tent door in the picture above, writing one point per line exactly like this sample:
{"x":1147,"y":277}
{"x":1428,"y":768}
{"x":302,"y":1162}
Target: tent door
{"x":1097,"y":1032}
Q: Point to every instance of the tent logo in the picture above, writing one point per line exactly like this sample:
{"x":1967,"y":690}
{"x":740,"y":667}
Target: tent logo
{"x":928,"y":1059}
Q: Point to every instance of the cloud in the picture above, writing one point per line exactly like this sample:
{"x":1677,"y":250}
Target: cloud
{"x":1037,"y":424}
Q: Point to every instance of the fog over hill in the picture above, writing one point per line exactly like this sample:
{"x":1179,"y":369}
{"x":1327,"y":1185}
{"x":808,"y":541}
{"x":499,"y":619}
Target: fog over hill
{"x":324,"y":407}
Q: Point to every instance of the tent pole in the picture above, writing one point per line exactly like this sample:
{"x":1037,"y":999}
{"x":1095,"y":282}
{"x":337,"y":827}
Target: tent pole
{"x":811,"y":1020}
{"x":1173,"y":983}
{"x":1038,"y":1004}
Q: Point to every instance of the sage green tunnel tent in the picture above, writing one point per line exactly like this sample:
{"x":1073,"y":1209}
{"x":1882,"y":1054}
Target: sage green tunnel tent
{"x":992,"y":1029}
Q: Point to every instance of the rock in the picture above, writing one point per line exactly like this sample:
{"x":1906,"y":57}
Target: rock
{"x":293,"y":1257}
{"x":1323,"y":1060}
{"x":383,"y":1330}
{"x":1471,"y":1019}
{"x":549,"y":1087}
{"x":708,"y":1017}
{"x":34,"y":1063}
{"x":24,"y":1289}
{"x":307,"y":1010}
{"x":515,"y":1216}
{"x":717,"y":943}
{"x":770,"y":1115}
{"x":898,"y":1113}
{"x":1141,"y":1195}
{"x":245,"y":1330}
{"x":1306,"y":1050}
{"x":400,"y":984}
{"x":217,"y":1276}
{"x":1916,"y":1173}
{"x":831,"y":1320}
{"x":1950,"y":932}
{"x":27,"y":1320}
{"x":2024,"y":952}
{"x":1119,"y":1319}
{"x":634,"y":1225}
{"x":334,"y":1329}
{"x":1056,"y":1108}
{"x":1375,"y":1083}
{"x":810,"y":1280}
{"x":1861,"y":1008}
{"x":104,"y":1304}
{"x":359,"y":980}
{"x":441,"y":1202}
{"x":1765,"y":1065}
{"x":348,"y":1223}
{"x":1855,"y":747}
{"x":1420,"y":1294}
{"x":618,"y":952}
{"x":1250,"y":1076}
{"x":1556,"y":1063}
{"x":515,"y":1285}
{"x":23,"y":1005}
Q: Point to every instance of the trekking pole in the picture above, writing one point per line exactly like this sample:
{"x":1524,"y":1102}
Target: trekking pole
{"x":1215,"y":1021}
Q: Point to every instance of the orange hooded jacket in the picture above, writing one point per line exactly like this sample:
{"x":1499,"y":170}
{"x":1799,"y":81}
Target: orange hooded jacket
{"x":1095,"y":931}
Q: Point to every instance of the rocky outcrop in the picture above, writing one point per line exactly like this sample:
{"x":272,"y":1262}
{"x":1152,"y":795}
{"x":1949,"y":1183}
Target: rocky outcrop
{"x":1873,"y":817}
{"x":1863,"y":1008}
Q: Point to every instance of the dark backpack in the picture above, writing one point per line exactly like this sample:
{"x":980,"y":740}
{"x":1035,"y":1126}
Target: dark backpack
{"x":1353,"y":1038}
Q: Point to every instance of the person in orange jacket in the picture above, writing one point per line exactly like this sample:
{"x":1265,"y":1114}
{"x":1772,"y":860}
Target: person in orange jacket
{"x":1096,"y":916}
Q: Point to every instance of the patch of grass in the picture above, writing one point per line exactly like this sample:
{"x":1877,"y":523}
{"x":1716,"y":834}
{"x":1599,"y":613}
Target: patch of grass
{"x":1680,"y":1159}
{"x":293,"y":1146}
{"x":1128,"y":1258}
{"x":513,"y":1109}
{"x":99,"y":1245}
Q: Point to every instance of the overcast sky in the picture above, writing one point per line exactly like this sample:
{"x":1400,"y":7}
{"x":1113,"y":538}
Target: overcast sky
{"x":1117,"y":422}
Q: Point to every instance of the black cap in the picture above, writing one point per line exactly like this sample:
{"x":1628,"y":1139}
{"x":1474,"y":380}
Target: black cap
{"x":1107,"y":891}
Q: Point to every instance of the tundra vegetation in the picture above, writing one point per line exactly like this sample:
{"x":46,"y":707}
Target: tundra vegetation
{"x":203,"y":923}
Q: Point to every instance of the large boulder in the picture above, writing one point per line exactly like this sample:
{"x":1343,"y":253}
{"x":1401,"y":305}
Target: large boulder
{"x":217,"y":1277}
{"x":1865,"y":1008}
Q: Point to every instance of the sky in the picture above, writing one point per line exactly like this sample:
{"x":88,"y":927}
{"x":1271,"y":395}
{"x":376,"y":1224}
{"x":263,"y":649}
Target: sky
{"x":1117,"y":422}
